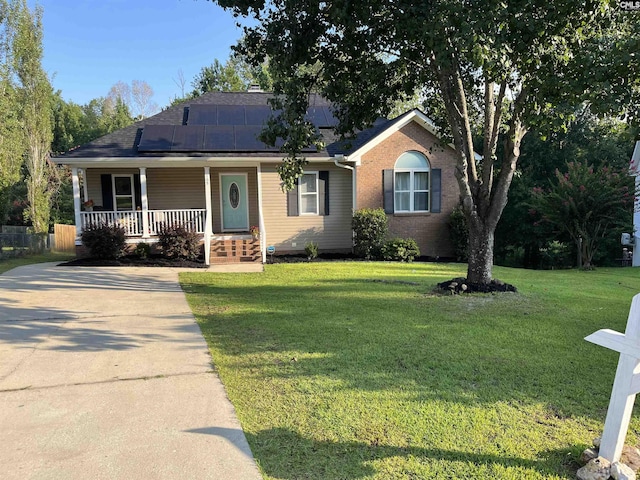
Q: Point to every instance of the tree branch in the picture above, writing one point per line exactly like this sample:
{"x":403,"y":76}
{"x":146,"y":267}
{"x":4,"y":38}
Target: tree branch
{"x":511,"y":155}
{"x":493,"y":117}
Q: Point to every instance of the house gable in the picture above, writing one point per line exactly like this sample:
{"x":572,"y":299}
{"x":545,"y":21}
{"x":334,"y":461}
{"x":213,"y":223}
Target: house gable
{"x":370,"y":139}
{"x":429,"y":229}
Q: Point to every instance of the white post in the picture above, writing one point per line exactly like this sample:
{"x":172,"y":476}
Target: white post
{"x":76,"y":200}
{"x":208,"y":228}
{"x":145,"y":202}
{"x":263,"y":232}
{"x":626,"y":384}
{"x":85,"y":187}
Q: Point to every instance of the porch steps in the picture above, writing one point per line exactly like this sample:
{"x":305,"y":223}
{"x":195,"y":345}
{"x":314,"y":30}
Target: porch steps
{"x":235,"y":251}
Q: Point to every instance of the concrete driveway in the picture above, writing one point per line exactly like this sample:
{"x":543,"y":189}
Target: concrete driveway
{"x":104,"y":374}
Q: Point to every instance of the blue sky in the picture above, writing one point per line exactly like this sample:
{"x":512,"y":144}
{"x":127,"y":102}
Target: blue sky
{"x":89,"y":45}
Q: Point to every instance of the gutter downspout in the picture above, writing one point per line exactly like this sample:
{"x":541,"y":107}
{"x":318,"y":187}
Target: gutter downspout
{"x":339,"y":158}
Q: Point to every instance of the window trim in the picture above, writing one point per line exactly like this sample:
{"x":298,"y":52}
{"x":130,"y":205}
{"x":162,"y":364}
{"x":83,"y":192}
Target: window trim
{"x":130,"y":176}
{"x":412,"y":191}
{"x":316,"y":174}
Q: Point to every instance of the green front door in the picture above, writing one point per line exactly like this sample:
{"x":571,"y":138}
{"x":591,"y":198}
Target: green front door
{"x":235,"y":202}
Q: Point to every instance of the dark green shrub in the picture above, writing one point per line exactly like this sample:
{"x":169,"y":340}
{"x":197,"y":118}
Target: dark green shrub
{"x":459,"y":234}
{"x":369,"y":229}
{"x":106,"y":242}
{"x":178,"y":242}
{"x":311,"y":249}
{"x":142,"y":249}
{"x":400,"y":250}
{"x":556,"y":255}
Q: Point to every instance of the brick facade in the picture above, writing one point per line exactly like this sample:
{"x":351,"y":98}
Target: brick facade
{"x":429,"y":230}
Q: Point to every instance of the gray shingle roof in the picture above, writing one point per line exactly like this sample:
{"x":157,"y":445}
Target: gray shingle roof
{"x":124,"y":142}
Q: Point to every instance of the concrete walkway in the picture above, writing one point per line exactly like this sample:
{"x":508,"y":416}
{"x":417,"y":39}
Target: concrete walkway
{"x":104,"y":374}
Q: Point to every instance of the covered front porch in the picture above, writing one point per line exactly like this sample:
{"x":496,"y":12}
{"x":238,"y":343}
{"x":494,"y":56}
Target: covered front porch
{"x":221,"y":204}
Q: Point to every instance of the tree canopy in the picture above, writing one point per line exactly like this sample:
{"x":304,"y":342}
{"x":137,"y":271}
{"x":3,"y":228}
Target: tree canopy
{"x":585,"y":204}
{"x":29,"y":91}
{"x":235,"y":75}
{"x":491,"y":68}
{"x":588,"y":140}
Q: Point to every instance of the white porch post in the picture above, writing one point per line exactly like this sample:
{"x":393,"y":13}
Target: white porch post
{"x":76,"y":200}
{"x":263,"y":232}
{"x":208,"y":227}
{"x":85,"y":188}
{"x":145,"y":202}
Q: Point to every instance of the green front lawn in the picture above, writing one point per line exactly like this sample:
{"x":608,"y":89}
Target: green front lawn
{"x":10,"y":263}
{"x":356,"y":370}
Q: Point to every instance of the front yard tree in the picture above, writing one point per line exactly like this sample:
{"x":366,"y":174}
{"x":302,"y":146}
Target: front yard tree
{"x":492,"y":67}
{"x":586,"y":204}
{"x":35,"y":97}
{"x":11,"y":133}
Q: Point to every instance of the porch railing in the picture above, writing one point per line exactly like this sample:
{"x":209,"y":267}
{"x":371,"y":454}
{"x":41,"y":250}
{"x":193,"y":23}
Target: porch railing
{"x":132,"y":222}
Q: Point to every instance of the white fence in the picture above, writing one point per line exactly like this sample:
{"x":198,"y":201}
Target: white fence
{"x":132,"y":222}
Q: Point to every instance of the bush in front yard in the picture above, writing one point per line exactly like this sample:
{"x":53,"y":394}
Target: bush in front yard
{"x":311,"y":249}
{"x":143,"y":249}
{"x":400,"y":250}
{"x":106,"y":242}
{"x":178,"y":242}
{"x":369,"y":228}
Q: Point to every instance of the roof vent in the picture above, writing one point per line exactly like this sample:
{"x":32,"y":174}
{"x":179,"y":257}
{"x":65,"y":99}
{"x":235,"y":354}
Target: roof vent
{"x":254,"y":88}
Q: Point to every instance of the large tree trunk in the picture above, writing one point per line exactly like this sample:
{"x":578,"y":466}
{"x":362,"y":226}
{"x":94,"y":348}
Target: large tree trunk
{"x":483,"y":192}
{"x":481,"y":239}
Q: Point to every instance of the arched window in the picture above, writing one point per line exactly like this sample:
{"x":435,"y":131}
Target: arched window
{"x":411,"y":183}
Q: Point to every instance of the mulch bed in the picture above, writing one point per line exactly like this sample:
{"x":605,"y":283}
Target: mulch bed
{"x":135,"y":261}
{"x":460,"y":285}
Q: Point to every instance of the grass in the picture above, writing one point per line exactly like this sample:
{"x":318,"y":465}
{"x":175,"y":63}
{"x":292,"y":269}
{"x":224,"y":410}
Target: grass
{"x":355,"y":370}
{"x":10,"y":263}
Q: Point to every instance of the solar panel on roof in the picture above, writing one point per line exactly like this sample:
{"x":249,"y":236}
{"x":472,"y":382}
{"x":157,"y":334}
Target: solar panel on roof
{"x":257,"y":114}
{"x":156,"y":138}
{"x":219,"y":138}
{"x":231,"y":115}
{"x":188,"y":138}
{"x":331,"y":120}
{"x":203,"y":115}
{"x":316,"y":116}
{"x":247,"y":138}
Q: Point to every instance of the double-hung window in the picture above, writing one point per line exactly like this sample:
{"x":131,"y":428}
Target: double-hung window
{"x":411,"y":183}
{"x":308,"y":193}
{"x":123,"y":193}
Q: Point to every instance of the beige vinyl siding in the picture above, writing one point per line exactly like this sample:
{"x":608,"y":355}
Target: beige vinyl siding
{"x":181,"y":188}
{"x":94,"y":187}
{"x":331,"y":232}
{"x":175,"y":188}
{"x":252,"y":187}
{"x":167,"y":188}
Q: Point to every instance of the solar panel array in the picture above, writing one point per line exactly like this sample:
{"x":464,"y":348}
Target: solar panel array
{"x":204,"y":114}
{"x":205,"y":138}
{"x":222,"y":128}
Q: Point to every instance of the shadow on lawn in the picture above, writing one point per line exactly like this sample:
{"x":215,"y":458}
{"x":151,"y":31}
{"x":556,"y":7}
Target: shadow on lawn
{"x":387,"y":336}
{"x":284,"y":454}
